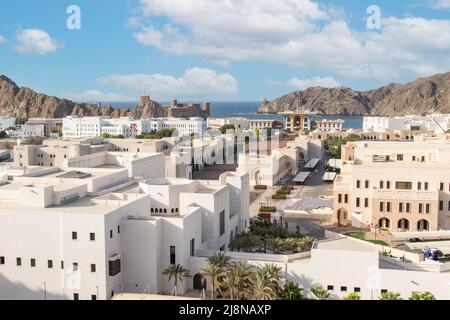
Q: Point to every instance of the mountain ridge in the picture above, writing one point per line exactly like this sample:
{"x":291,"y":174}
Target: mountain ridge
{"x":424,"y":95}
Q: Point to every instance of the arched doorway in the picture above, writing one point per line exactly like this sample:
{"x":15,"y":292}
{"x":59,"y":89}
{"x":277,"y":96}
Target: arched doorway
{"x":423,"y":225}
{"x":257,"y":176}
{"x":342,"y":217}
{"x":198,"y":284}
{"x":384,"y":223}
{"x":403,"y":225}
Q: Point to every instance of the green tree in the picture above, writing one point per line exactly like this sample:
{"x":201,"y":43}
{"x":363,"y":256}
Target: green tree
{"x":353,"y":296}
{"x":231,"y":282}
{"x":390,"y":296}
{"x":320,"y":292}
{"x":243,"y":273}
{"x":261,"y":287}
{"x":291,"y":291}
{"x":212,"y":272}
{"x":223,"y":129}
{"x":220,"y":259}
{"x":422,"y":296}
{"x":178,"y":273}
{"x":105,"y":135}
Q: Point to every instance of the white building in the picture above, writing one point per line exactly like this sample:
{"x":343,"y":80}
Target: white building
{"x":96,"y":228}
{"x":6,"y":123}
{"x":27,"y":130}
{"x":436,"y":122}
{"x":326,"y":125}
{"x":237,"y":122}
{"x":128,"y":127}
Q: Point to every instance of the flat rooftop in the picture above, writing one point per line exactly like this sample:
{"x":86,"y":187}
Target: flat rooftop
{"x":345,"y":244}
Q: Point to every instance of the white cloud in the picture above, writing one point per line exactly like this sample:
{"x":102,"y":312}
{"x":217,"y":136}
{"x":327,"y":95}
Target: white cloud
{"x":300,"y":33}
{"x":2,"y":39}
{"x":441,"y":4}
{"x":195,"y":83}
{"x":35,"y":41}
{"x":302,"y":84}
{"x":95,"y":95}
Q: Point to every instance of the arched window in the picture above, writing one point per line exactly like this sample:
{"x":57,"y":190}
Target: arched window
{"x":384,"y":223}
{"x":423,"y":225}
{"x":403,"y":224}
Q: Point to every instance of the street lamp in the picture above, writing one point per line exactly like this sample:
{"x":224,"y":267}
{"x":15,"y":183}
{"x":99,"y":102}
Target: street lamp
{"x":45,"y":291}
{"x":282,"y":213}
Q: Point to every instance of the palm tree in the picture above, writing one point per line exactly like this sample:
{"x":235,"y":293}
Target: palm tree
{"x":294,"y":244}
{"x":213,"y":272}
{"x":178,"y":273}
{"x":307,"y":243}
{"x":220,"y":259}
{"x":261,"y":287}
{"x":275,"y":244}
{"x":250,"y":241}
{"x":231,"y":281}
{"x":243,"y":272}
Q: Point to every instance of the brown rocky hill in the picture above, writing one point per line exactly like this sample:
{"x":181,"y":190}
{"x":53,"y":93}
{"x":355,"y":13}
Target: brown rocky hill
{"x":422,"y":96}
{"x":25,"y":103}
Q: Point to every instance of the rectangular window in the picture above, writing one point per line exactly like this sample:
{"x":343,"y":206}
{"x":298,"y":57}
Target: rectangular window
{"x":357,"y":289}
{"x":420,"y":208}
{"x":413,"y":158}
{"x":426,"y":186}
{"x":50,"y":264}
{"x":62,"y":264}
{"x":75,"y":266}
{"x":402,"y":185}
{"x":399,"y":157}
{"x":427,"y":207}
{"x":339,"y":198}
{"x":92,"y":236}
{"x":118,"y":229}
{"x":93,"y":268}
{"x":114,"y":268}
{"x":381,"y":184}
{"x":74,"y":235}
{"x":400,"y":207}
{"x":388,"y":184}
{"x":33,"y":262}
{"x":344,"y":289}
{"x":441,"y":186}
{"x":366,"y":184}
{"x":330,"y":288}
{"x":19,"y":261}
{"x":2,"y":260}
{"x":419,"y":185}
{"x":388,"y":206}
{"x":192,"y":247}
{"x":93,"y":297}
{"x":358,"y":184}
{"x":381,"y":206}
{"x":76,"y":296}
{"x":366,"y":202}
{"x":441,"y":205}
{"x":345,"y":198}
{"x":222,"y":222}
{"x":449,"y":206}
{"x":172,"y":255}
{"x":408,"y":207}
{"x":110,"y":234}
{"x":358,"y":202}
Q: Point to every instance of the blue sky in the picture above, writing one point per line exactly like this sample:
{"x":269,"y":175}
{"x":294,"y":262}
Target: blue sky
{"x":218,"y":49}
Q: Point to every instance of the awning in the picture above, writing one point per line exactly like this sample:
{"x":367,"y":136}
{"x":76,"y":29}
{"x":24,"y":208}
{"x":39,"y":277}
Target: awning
{"x":312,"y":163}
{"x":335,"y":163}
{"x":329,"y":176}
{"x":301,"y":177}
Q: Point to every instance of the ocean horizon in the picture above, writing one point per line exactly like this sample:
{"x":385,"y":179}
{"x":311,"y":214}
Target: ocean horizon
{"x":249,"y":110}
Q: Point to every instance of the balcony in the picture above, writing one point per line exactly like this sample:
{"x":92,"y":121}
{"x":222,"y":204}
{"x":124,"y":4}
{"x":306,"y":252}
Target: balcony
{"x":431,"y":195}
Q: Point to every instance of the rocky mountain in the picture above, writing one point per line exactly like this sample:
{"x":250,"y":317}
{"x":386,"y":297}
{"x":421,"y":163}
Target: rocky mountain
{"x":25,"y":103}
{"x":422,"y":96}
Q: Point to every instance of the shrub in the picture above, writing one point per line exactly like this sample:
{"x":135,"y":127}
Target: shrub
{"x":291,"y":291}
{"x":260,"y":187}
{"x":320,"y":292}
{"x":268,"y":209}
{"x":279,"y":197}
{"x":285,"y":191}
{"x":353,"y":296}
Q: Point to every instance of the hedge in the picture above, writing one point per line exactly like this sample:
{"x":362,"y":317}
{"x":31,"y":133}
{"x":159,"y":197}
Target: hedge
{"x":279,"y":197}
{"x":268,"y":209}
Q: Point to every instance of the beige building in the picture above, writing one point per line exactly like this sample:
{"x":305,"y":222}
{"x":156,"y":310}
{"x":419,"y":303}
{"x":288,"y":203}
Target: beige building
{"x":400,"y":186}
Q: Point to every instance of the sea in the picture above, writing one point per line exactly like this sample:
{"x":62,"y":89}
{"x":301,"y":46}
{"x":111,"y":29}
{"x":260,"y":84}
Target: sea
{"x":249,"y":110}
